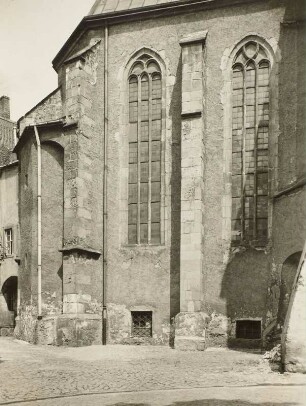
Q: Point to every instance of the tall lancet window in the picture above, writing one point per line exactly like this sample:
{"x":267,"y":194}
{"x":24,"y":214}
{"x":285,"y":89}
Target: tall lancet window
{"x":145,"y":129}
{"x":250,"y":152}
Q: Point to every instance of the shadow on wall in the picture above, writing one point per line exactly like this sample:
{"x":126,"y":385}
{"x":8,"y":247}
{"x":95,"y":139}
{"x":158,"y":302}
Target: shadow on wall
{"x":244,"y":288}
{"x":247,"y":275}
{"x":9,"y":291}
{"x":213,"y":402}
{"x":250,"y":286}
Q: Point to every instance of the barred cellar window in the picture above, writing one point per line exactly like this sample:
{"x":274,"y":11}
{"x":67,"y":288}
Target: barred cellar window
{"x":249,"y":329}
{"x":142,"y":324}
{"x":145,"y":128}
{"x":250,"y":153}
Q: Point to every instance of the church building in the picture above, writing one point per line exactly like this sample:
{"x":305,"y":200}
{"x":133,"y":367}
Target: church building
{"x":162,"y":183}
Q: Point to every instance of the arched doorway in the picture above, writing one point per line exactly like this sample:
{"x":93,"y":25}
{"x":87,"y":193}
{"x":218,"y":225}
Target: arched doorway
{"x":289,"y":270}
{"x":9,"y":292}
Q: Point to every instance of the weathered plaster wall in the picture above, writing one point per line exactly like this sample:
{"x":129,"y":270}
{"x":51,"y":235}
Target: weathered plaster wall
{"x":48,"y":109}
{"x":8,"y":219}
{"x":52,"y":226}
{"x":28,"y":236}
{"x":52,"y":230}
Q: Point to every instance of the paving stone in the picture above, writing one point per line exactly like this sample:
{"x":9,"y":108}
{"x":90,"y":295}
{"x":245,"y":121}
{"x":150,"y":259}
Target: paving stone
{"x":36,"y":372}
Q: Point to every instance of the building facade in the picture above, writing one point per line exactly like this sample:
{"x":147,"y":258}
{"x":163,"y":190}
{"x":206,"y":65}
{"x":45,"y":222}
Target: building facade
{"x":9,"y":231}
{"x":165,"y":177}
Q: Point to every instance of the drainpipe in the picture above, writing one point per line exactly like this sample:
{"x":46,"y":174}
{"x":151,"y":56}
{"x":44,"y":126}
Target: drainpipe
{"x":104,"y":263}
{"x":39,"y":316}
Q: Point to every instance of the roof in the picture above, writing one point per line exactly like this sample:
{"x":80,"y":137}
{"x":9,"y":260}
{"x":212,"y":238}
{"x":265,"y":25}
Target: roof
{"x":109,"y":6}
{"x":106,"y":12}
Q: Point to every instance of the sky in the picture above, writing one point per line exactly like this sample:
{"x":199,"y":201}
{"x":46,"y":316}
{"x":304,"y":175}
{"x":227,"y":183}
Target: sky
{"x":31,"y":34}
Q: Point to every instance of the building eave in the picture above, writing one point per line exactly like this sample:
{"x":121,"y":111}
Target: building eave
{"x":8,"y":120}
{"x":47,"y":124}
{"x":14,"y":163}
{"x":135,"y":14}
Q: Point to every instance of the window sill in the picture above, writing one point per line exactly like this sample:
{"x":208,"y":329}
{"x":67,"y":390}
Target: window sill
{"x":250,"y":244}
{"x":9,"y":256}
{"x":143,"y":246}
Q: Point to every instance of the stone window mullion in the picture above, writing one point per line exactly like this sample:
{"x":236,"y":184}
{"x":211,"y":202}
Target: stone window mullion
{"x":150,"y":160}
{"x":255,"y":153}
{"x":243,"y":177}
{"x":145,"y":129}
{"x":138,"y":158}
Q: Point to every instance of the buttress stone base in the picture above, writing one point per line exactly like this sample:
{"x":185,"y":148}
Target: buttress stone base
{"x":190,"y":329}
{"x":72,"y":330}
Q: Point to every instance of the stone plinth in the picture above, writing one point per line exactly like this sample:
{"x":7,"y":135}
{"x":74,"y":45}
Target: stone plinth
{"x":190,"y":328}
{"x":72,"y":330}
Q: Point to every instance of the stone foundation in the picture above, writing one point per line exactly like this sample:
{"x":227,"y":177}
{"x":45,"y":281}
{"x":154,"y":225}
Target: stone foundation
{"x":190,"y":331}
{"x":6,"y":323}
{"x":79,"y":330}
{"x":6,"y":331}
{"x":72,"y":330}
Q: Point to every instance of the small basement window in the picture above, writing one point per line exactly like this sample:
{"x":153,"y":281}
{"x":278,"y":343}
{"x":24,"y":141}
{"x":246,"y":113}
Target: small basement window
{"x":141,"y":324}
{"x":250,"y":329}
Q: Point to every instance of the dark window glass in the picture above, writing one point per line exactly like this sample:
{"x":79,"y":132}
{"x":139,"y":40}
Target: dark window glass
{"x":250,"y":329}
{"x":250,"y":155}
{"x":145,"y":113}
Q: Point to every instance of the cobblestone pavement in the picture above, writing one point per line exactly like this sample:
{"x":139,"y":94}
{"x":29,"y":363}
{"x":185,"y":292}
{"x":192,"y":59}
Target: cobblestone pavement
{"x":29,"y":372}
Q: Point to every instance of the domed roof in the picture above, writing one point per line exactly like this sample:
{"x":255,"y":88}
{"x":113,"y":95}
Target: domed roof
{"x":109,"y":6}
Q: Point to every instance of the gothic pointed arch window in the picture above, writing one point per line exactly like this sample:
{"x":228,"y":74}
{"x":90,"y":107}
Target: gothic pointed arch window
{"x":145,"y":151}
{"x":250,"y":144}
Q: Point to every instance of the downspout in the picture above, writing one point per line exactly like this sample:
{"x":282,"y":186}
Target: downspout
{"x":104,"y":248}
{"x":39,"y":316}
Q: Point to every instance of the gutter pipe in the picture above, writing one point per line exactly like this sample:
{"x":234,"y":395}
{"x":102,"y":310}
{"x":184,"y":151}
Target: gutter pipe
{"x":104,"y":249}
{"x":39,"y":316}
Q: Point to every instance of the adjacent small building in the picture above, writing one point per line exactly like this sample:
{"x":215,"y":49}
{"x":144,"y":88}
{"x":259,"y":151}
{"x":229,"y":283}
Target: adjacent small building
{"x":9,"y":240}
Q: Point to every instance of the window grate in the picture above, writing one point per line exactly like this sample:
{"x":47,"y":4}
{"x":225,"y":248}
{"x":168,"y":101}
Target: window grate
{"x":141,"y":324}
{"x":250,"y":329}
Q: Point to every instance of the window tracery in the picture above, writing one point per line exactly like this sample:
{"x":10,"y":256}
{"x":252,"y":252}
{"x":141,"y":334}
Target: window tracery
{"x":250,"y":149}
{"x":145,"y":129}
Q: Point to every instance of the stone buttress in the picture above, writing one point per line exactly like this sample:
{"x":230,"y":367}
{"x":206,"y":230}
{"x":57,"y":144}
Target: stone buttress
{"x":191,"y":322}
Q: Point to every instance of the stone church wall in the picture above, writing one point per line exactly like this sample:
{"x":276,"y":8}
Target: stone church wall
{"x":225,"y":27}
{"x":235,"y":283}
